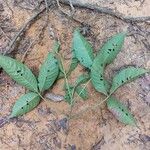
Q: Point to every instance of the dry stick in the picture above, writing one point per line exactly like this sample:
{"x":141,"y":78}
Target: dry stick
{"x":9,"y":8}
{"x":108,"y":11}
{"x":5,"y":34}
{"x":28,"y":23}
{"x":71,"y":5}
{"x":46,"y":4}
{"x":33,"y":42}
{"x":25,"y":53}
{"x":70,"y":16}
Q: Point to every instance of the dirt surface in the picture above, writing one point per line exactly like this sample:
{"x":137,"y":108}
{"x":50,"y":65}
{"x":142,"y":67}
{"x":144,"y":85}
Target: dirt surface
{"x":132,"y":8}
{"x":46,"y":127}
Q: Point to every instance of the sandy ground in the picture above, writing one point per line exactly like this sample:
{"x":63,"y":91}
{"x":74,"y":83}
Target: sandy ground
{"x":45,"y":128}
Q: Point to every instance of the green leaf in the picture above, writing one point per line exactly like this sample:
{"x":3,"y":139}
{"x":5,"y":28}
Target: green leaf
{"x":82,"y":92}
{"x":120,"y":111}
{"x":82,"y":79}
{"x":83,"y":49}
{"x":105,"y":56}
{"x":55,"y":50}
{"x":19,"y":72}
{"x":97,"y":77}
{"x":76,"y":88}
{"x":69,"y":93}
{"x":25,"y":104}
{"x":56,"y":47}
{"x":61,"y":75}
{"x":111,"y":48}
{"x":73,"y":65}
{"x":48,"y":72}
{"x":126,"y":75}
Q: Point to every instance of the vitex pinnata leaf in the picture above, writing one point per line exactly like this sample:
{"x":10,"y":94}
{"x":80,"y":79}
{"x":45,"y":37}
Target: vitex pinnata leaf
{"x":82,"y":49}
{"x":25,"y":104}
{"x":19,"y":72}
{"x":126,"y":75}
{"x":120,"y":111}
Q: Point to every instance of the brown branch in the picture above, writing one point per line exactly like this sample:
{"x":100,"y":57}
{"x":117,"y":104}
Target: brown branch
{"x":5,"y":34}
{"x":23,"y":28}
{"x":9,"y":8}
{"x":107,"y":11}
{"x":69,"y":15}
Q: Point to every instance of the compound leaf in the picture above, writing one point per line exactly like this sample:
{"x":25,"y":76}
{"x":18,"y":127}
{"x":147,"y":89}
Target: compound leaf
{"x":120,"y":111}
{"x":25,"y":104}
{"x":126,"y":75}
{"x":82,"y":92}
{"x":19,"y":72}
{"x":48,"y":72}
{"x":82,"y":49}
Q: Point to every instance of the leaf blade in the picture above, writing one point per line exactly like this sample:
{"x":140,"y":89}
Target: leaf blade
{"x":126,"y":75}
{"x":97,"y":77}
{"x":82,"y":49}
{"x":49,"y":71}
{"x":82,"y":92}
{"x":111,"y":48}
{"x":25,"y":104}
{"x":120,"y":111}
{"x":83,"y":78}
{"x":73,"y":65}
{"x":19,"y":72}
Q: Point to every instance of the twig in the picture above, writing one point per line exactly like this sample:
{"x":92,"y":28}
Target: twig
{"x":47,"y":7}
{"x":25,"y":53}
{"x":23,"y":28}
{"x":5,"y":34}
{"x":33,"y":42}
{"x":67,"y":14}
{"x":71,"y":5}
{"x":108,"y":11}
{"x":9,"y":8}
